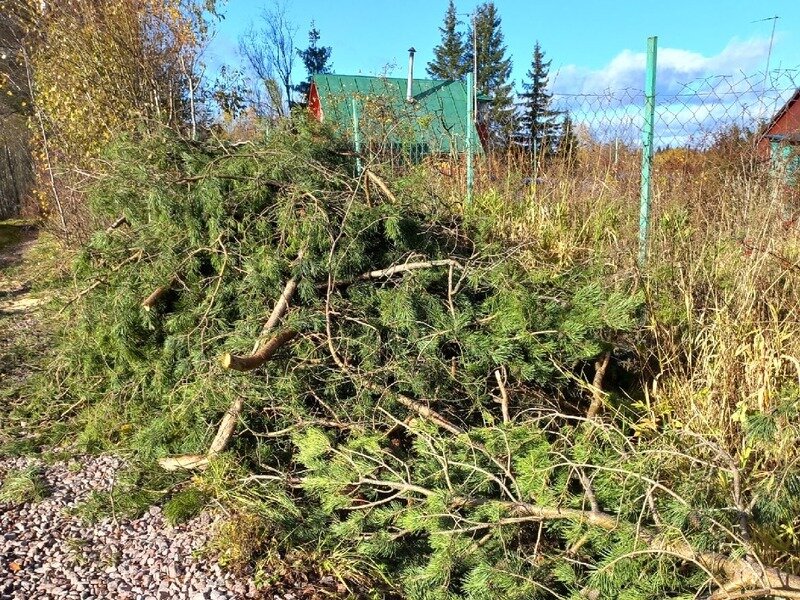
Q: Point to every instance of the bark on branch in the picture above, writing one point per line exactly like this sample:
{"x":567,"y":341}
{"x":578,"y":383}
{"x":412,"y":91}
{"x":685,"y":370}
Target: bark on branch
{"x":740,"y":572}
{"x":262,"y":355}
{"x":149,"y":302}
{"x":227,"y":426}
{"x":597,"y":385}
{"x":413,"y":266}
{"x":381,"y":185}
{"x":396,"y":269}
{"x":281,"y":306}
{"x":498,"y":375}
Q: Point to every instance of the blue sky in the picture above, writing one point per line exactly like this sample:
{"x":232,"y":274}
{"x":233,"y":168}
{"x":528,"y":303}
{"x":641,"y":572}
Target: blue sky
{"x":593,"y":44}
{"x":712,"y":54}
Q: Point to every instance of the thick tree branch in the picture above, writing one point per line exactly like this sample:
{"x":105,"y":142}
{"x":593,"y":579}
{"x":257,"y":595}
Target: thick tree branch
{"x":156,"y":295}
{"x":381,"y":185}
{"x":262,"y":355}
{"x":227,"y":426}
{"x":597,"y":385}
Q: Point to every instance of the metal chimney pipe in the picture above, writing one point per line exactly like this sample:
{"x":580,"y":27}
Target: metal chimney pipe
{"x":409,"y":94}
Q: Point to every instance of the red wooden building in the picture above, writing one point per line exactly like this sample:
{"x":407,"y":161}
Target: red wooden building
{"x":783,"y":129}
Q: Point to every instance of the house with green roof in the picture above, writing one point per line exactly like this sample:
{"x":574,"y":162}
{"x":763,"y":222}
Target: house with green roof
{"x":421,"y":116}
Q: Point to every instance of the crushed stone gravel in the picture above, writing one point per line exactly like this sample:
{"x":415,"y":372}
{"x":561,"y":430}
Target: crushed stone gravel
{"x":47,"y":553}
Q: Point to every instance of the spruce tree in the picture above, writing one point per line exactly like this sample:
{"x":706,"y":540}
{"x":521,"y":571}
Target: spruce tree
{"x":451,"y":59}
{"x":540,"y":127}
{"x":494,"y":71}
{"x":568,"y":141}
{"x":315,"y":58}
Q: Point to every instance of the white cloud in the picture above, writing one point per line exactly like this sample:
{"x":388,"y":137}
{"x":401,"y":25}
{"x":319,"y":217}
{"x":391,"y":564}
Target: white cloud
{"x":676,"y":68}
{"x":696,"y":95}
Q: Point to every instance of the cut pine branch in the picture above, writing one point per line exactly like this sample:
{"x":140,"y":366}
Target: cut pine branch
{"x":412,"y":266}
{"x":262,"y":355}
{"x":227,"y":426}
{"x":151,"y":300}
{"x":396,"y":270}
{"x":381,"y":185}
{"x":734,"y":573}
{"x":601,"y":365}
{"x":281,"y":306}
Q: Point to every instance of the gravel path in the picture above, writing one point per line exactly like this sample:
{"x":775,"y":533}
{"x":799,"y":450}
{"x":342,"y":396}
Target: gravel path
{"x":45,"y":553}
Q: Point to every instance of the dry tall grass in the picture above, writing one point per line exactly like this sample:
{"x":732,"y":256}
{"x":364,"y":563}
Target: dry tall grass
{"x":722,"y":280}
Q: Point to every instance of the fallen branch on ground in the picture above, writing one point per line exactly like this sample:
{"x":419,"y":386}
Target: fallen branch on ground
{"x":116,"y":224}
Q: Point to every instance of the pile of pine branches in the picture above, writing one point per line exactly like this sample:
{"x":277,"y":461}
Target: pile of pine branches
{"x":369,"y":369}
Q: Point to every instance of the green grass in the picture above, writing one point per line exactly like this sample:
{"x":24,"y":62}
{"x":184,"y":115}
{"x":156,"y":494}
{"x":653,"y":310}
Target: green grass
{"x":23,"y":485}
{"x":184,"y":505}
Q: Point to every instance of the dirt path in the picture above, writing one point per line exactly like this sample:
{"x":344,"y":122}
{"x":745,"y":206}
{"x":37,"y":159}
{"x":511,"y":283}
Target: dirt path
{"x":15,"y":241}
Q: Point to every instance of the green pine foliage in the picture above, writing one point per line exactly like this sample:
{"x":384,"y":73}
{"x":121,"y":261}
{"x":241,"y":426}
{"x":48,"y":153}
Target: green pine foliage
{"x":338,"y":454}
{"x":451,"y":58}
{"x":494,"y":71}
{"x":540,"y":126}
{"x":316,"y":60}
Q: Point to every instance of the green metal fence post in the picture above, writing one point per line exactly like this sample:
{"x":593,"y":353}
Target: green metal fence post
{"x":357,"y":138}
{"x":470,"y":141}
{"x":647,"y":148}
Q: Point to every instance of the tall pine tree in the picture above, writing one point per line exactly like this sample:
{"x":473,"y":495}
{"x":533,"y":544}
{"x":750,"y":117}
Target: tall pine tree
{"x":315,"y":58}
{"x":451,"y":59}
{"x":540,"y":126}
{"x":494,"y":71}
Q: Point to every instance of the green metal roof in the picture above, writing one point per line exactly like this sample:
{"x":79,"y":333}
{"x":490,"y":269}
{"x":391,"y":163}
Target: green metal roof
{"x":435,"y":122}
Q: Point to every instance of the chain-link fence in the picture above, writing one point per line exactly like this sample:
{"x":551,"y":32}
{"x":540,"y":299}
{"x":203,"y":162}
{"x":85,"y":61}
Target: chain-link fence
{"x":688,"y":115}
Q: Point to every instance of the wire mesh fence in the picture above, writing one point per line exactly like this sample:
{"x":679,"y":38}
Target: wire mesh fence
{"x":688,"y":115}
{"x":712,"y":139}
{"x":695,"y":116}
